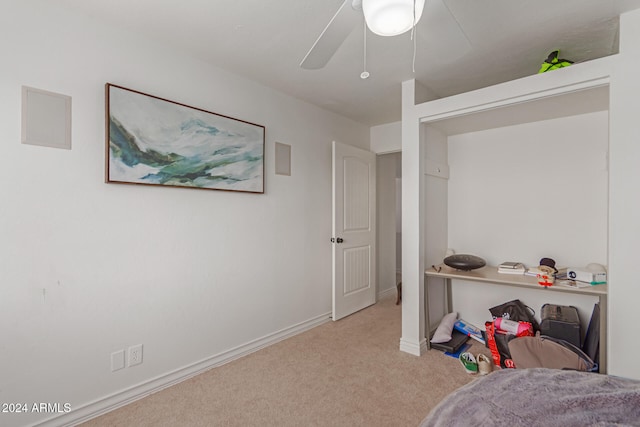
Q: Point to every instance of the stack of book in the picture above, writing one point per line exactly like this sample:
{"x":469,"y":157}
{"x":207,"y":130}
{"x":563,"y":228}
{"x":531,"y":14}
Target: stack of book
{"x":534,"y":271}
{"x":469,"y":330}
{"x":510,"y":267}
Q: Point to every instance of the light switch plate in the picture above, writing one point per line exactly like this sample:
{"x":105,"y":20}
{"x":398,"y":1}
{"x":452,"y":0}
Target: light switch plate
{"x":117,"y":360}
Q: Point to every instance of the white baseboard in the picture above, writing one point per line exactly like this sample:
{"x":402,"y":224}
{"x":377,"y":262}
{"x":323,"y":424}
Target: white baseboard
{"x":417,"y":349}
{"x":386,"y":293}
{"x":131,"y":394}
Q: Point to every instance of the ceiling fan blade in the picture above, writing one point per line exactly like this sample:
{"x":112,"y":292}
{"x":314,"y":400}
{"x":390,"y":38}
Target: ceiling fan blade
{"x":442,"y":33}
{"x":332,"y":37}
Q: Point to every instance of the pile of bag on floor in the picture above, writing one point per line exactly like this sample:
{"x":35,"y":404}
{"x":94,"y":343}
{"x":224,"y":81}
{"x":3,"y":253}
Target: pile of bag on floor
{"x":517,"y":340}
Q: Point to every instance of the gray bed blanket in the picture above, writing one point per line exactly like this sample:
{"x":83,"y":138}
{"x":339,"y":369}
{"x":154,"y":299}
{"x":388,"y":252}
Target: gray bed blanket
{"x":540,"y":397}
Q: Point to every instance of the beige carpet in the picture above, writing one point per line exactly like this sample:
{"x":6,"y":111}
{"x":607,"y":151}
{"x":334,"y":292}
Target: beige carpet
{"x":345,"y":373}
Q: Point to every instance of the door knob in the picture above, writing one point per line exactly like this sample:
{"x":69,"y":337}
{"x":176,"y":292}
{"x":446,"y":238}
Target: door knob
{"x":339,"y":240}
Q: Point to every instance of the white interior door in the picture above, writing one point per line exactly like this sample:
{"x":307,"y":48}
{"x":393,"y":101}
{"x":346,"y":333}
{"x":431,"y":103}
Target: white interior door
{"x":354,"y":229}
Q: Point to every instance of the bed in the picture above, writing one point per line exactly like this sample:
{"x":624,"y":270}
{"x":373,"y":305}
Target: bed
{"x":540,"y":397}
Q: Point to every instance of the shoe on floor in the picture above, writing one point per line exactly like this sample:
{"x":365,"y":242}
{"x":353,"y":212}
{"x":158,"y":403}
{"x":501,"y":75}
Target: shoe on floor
{"x":485,"y":365}
{"x":469,"y":362}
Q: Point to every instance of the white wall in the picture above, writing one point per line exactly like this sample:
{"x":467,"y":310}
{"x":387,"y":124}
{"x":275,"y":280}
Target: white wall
{"x":90,"y":268}
{"x":436,"y":218}
{"x":413,"y":213}
{"x":386,"y":138}
{"x":624,"y":204}
{"x":399,"y":223}
{"x":386,"y":141}
{"x":521,"y":193}
{"x":386,"y":222}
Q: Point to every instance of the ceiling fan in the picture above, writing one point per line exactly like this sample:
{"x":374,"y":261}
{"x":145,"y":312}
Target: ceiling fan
{"x":379,"y":16}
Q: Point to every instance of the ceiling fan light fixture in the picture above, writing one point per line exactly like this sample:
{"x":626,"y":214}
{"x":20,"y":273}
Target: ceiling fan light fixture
{"x":391,"y":17}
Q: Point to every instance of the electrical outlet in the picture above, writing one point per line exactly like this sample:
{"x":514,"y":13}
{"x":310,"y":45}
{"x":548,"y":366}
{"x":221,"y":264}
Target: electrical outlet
{"x":135,"y":355}
{"x":117,"y":360}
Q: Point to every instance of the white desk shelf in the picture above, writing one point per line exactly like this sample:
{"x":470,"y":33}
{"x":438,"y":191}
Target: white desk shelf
{"x":489,"y":274}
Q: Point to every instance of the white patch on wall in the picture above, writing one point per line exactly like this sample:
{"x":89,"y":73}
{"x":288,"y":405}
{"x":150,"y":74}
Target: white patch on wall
{"x":46,"y":118}
{"x":283,"y":159}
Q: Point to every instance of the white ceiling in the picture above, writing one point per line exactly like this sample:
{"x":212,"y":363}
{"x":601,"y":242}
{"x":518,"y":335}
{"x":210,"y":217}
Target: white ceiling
{"x":266,"y":40}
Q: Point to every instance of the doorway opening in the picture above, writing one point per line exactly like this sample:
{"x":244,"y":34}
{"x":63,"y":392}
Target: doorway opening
{"x":389,"y":223}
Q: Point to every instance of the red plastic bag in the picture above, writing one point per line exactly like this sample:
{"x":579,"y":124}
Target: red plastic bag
{"x":498,"y":343}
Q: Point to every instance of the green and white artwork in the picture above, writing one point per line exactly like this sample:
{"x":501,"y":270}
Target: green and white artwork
{"x":154,"y":141}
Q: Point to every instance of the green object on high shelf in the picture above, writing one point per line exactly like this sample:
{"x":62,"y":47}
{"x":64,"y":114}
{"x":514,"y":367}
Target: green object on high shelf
{"x":553,"y":63}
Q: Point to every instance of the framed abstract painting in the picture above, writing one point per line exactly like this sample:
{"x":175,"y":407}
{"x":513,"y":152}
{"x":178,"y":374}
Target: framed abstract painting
{"x":154,"y":141}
